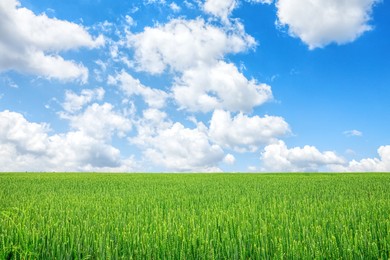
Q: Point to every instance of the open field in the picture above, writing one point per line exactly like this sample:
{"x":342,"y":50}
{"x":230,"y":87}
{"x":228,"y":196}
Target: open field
{"x":194,"y":216}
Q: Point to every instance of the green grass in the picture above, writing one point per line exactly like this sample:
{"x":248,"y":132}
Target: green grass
{"x":194,"y":216}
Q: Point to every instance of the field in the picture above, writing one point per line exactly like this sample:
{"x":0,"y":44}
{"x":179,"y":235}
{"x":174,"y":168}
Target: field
{"x":194,"y":216}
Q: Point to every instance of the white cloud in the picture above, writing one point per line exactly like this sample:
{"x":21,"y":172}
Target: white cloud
{"x":88,"y":145}
{"x":381,"y":164}
{"x":220,"y":86}
{"x":220,"y":8}
{"x":318,"y":23}
{"x":350,"y":133}
{"x":156,"y":118}
{"x":27,"y":146}
{"x":193,"y":50}
{"x":278,"y":158}
{"x":149,"y":125}
{"x":100,"y":122}
{"x":243,"y":133}
{"x":74,"y":103}
{"x":229,"y":159}
{"x":174,"y":7}
{"x":82,"y":152}
{"x":174,"y":146}
{"x":155,"y":98}
{"x":183,"y":149}
{"x":183,"y":44}
{"x":30,"y":43}
{"x":15,"y":130}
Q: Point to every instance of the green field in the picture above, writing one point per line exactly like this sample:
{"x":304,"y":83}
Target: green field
{"x":194,"y":216}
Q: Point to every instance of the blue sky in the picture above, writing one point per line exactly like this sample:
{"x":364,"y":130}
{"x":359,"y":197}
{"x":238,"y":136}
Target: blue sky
{"x":194,"y":86}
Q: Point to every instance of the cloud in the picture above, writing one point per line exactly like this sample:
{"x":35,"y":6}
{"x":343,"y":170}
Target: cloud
{"x":278,"y":158}
{"x":148,"y":126}
{"x":74,"y":103}
{"x":350,"y":133}
{"x":76,"y":150}
{"x":381,"y":164}
{"x":99,"y":122}
{"x":229,"y":159}
{"x":220,"y":8}
{"x":25,"y":136}
{"x":220,"y":86}
{"x":182,"y":44}
{"x":174,"y":146}
{"x":188,"y":4}
{"x":174,"y":7}
{"x":149,"y":2}
{"x":28,"y":146}
{"x":243,"y":133}
{"x":193,"y":51}
{"x":130,"y":86}
{"x":30,"y":43}
{"x":318,"y":23}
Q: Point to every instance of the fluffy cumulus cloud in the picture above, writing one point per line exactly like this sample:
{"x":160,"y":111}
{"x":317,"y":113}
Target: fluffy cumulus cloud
{"x":194,"y":51}
{"x":130,"y":86}
{"x":78,"y":151}
{"x":30,"y":43}
{"x":318,"y":23}
{"x":74,"y":102}
{"x":278,"y":158}
{"x":220,"y":86}
{"x":182,"y":44}
{"x":176,"y":147}
{"x":381,"y":164}
{"x":100,"y":122}
{"x":243,"y":133}
{"x":24,"y":136}
{"x":220,"y":8}
{"x":182,"y":149}
{"x":21,"y":143}
{"x":28,"y":146}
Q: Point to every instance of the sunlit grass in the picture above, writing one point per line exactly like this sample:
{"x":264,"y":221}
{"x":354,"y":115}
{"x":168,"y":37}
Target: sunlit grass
{"x":162,"y":216}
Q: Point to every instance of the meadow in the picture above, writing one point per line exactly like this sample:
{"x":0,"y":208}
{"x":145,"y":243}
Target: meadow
{"x":194,"y":216}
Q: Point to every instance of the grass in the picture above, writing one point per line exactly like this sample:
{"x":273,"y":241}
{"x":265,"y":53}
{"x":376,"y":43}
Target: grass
{"x":194,"y":216}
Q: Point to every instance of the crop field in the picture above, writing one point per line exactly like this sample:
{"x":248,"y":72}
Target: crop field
{"x":194,"y":216}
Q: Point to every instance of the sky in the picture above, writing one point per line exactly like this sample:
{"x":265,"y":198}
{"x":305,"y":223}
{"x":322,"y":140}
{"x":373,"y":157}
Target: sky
{"x":195,"y":85}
